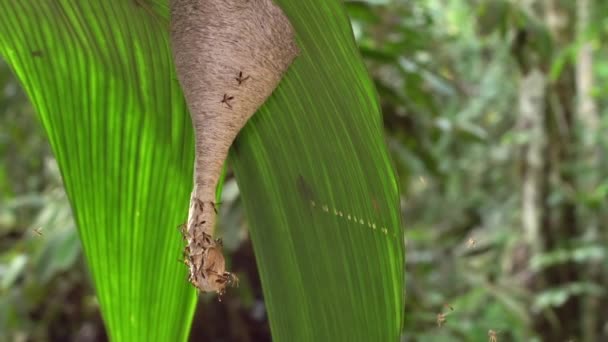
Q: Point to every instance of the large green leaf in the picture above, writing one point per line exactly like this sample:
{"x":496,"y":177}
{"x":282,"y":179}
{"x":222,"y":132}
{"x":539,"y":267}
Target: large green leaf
{"x":319,"y":190}
{"x":100,"y":76}
{"x":332,"y":271}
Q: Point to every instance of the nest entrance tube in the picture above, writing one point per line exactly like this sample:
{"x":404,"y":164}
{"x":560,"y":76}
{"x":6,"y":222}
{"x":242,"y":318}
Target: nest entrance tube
{"x":229,"y":55}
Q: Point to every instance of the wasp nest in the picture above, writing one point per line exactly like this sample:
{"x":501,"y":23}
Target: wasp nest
{"x":230,"y":56}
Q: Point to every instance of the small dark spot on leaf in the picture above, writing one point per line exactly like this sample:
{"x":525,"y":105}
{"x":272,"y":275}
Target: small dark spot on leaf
{"x":305,"y":189}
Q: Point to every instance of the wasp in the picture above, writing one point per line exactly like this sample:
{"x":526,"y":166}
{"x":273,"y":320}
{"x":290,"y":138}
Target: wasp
{"x":213,"y":205}
{"x":241,"y":79}
{"x":471,"y":243}
{"x":493,"y":335}
{"x":199,"y":203}
{"x":441,"y":316}
{"x":207,"y":240}
{"x":440,"y":319}
{"x":226,"y":100}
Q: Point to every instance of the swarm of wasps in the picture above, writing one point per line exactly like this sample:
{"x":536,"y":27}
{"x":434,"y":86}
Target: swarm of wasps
{"x":203,"y":256}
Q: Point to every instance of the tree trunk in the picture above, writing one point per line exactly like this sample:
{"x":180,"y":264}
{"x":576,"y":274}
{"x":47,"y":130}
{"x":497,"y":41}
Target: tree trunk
{"x":532,"y":93}
{"x":588,"y":119}
{"x":559,"y":225}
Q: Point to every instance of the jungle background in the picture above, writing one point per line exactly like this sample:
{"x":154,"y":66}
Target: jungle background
{"x":494,"y":112}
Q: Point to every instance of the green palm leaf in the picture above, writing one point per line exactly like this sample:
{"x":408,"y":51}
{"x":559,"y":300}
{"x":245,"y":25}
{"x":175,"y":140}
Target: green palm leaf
{"x":99,"y":74}
{"x":319,"y":190}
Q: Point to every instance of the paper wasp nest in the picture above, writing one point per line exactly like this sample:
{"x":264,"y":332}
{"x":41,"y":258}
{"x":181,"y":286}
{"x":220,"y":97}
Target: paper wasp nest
{"x":230,"y":56}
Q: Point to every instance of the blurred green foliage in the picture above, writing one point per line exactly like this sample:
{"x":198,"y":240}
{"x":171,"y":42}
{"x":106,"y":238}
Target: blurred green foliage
{"x":42,"y":277}
{"x":449,"y":75}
